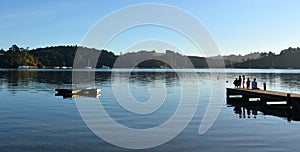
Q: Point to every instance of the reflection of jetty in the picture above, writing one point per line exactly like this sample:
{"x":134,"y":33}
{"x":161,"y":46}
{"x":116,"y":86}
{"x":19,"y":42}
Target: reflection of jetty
{"x":246,"y":109}
{"x":274,"y":103}
{"x":78,"y":92}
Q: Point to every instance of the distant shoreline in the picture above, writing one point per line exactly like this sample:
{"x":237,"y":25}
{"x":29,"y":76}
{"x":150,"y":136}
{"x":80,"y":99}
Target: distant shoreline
{"x":229,"y":70}
{"x":63,"y":57}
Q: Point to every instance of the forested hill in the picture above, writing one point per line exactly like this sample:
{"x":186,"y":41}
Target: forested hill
{"x":64,"y":56}
{"x":16,"y":56}
{"x":49,"y":57}
{"x":58,"y":56}
{"x":288,"y":58}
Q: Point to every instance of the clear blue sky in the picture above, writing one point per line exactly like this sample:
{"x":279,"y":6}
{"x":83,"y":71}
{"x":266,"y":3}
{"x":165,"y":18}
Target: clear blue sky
{"x":237,"y":26}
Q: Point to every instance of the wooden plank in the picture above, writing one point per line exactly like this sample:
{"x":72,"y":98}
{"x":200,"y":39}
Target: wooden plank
{"x":262,"y":93}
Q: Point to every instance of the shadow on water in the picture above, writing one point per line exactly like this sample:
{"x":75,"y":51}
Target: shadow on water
{"x":247,"y":109}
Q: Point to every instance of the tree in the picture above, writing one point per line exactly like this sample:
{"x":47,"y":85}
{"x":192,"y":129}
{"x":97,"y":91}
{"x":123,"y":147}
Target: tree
{"x":14,"y":48}
{"x":271,"y":54}
{"x":263,"y":54}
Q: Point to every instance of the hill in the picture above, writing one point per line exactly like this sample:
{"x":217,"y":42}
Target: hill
{"x":152,"y":59}
{"x":288,"y":58}
{"x":16,"y":56}
{"x":58,"y":56}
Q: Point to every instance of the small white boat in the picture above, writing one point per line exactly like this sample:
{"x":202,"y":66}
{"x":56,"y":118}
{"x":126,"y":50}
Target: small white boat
{"x":163,"y":67}
{"x":22,"y":67}
{"x":88,"y":67}
{"x":105,"y":67}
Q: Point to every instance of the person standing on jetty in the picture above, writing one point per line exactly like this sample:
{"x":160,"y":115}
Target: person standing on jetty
{"x":236,"y":83}
{"x":240,"y":82}
{"x":254,"y":84}
{"x":248,"y":83}
{"x":244,"y":79}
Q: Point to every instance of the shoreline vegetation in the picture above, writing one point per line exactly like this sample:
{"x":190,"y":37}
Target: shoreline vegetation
{"x":63,"y":57}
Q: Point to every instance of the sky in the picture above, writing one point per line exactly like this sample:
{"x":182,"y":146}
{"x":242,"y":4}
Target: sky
{"x":236,"y":26}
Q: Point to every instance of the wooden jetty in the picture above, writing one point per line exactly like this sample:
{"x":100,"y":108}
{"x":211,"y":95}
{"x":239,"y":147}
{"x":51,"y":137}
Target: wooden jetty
{"x":263,"y":95}
{"x":291,"y":109}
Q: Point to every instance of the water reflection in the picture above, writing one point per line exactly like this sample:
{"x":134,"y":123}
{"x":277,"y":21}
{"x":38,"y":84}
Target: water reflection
{"x":45,"y":80}
{"x":24,"y":77}
{"x":13,"y":81}
{"x":251,"y":109}
{"x":243,"y":111}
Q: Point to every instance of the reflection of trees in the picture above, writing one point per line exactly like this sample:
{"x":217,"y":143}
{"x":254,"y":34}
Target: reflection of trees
{"x":17,"y":78}
{"x":290,"y":80}
{"x":142,"y":78}
{"x":23,"y":79}
{"x":14,"y":80}
{"x":171,"y":78}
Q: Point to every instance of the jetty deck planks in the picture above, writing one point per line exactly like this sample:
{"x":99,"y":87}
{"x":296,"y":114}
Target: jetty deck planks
{"x":263,"y":94}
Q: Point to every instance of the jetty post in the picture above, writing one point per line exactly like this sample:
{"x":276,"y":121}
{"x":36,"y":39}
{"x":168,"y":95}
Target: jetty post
{"x":265,"y":86}
{"x":288,"y":101}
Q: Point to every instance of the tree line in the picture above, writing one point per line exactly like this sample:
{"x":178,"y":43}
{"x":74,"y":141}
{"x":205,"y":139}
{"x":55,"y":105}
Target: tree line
{"x":57,"y":56}
{"x":288,"y":58}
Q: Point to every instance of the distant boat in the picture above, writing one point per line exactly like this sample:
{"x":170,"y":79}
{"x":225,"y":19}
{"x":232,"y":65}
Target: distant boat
{"x":64,"y":65}
{"x":88,"y":67}
{"x":22,"y":67}
{"x":57,"y":67}
{"x":105,"y":67}
{"x":164,"y":67}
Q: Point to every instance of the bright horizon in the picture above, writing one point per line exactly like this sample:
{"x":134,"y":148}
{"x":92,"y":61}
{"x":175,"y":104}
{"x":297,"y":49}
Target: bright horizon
{"x":238,"y":27}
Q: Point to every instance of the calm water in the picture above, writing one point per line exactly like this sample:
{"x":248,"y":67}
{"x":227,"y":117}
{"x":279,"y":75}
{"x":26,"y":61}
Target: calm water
{"x":32,"y":118}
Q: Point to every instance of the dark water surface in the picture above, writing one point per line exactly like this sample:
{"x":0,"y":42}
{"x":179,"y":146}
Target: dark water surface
{"x":32,"y":118}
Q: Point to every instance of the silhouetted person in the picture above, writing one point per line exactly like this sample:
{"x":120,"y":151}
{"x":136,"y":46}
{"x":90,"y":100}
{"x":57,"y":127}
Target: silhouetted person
{"x":240,"y":81}
{"x":244,"y":79}
{"x":248,"y":83}
{"x":254,"y":84}
{"x":236,"y":83}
